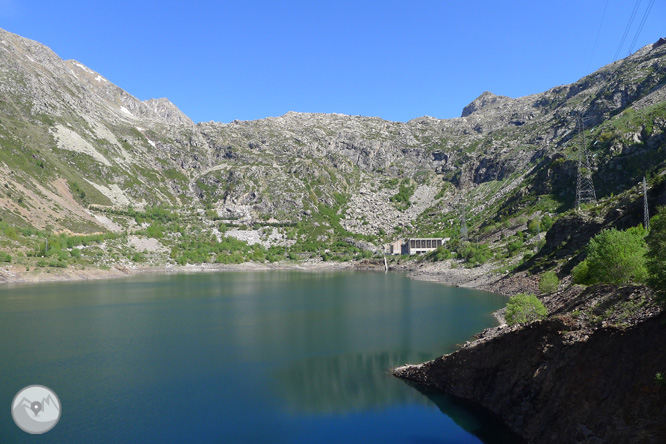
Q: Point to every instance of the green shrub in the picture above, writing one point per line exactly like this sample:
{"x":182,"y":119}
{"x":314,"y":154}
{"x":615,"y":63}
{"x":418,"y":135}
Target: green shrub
{"x":474,"y":254}
{"x":11,"y":233}
{"x":659,"y":379}
{"x":405,"y":192}
{"x":440,"y":254}
{"x":524,"y":308}
{"x":656,"y":253}
{"x":258,"y":256}
{"x":236,"y":258}
{"x":155,"y":230}
{"x":533,"y":226}
{"x":549,"y":282}
{"x":617,"y":257}
{"x":581,"y":273}
{"x":5,"y":257}
{"x":546,"y":222}
{"x":514,"y":246}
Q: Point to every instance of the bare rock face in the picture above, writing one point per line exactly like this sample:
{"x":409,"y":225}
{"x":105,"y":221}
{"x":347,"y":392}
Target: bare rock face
{"x":168,"y":111}
{"x":152,"y":153}
{"x":553,"y":382}
{"x":483,"y":101}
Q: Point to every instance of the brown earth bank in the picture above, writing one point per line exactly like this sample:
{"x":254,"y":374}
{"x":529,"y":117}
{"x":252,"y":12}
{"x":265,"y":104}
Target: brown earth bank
{"x":569,"y":378}
{"x":19,"y":274}
{"x":479,"y":277}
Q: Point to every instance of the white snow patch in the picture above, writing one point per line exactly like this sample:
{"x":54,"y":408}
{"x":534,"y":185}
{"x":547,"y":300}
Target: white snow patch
{"x":126,"y":111}
{"x":82,"y":67}
{"x":141,"y":130}
{"x":66,"y":139}
{"x":100,"y":79}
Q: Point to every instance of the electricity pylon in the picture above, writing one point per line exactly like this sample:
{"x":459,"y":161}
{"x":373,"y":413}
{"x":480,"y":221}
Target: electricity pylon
{"x":646,"y":211}
{"x":463,"y":225}
{"x":584,"y":186}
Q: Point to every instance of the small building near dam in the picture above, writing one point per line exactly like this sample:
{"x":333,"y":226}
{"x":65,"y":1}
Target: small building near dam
{"x":420,"y":245}
{"x":416,"y":245}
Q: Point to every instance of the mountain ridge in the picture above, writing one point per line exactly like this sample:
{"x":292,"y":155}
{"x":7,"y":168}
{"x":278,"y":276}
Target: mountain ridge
{"x":90,"y":176}
{"x":120,"y":152}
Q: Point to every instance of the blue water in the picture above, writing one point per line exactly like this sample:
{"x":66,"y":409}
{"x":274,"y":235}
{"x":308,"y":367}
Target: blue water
{"x":269,"y":357}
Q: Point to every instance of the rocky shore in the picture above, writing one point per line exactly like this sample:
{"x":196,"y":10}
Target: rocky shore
{"x":572,"y":378}
{"x":481,"y":277}
{"x":19,"y":274}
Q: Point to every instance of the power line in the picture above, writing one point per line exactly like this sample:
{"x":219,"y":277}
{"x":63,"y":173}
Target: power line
{"x":626,"y":30}
{"x":596,"y":39}
{"x":640,"y":26}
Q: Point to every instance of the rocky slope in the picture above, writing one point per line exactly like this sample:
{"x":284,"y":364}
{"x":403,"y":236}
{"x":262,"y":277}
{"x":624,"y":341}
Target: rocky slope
{"x":80,"y":156}
{"x":62,"y":124}
{"x":563,"y":379}
{"x":599,"y":390}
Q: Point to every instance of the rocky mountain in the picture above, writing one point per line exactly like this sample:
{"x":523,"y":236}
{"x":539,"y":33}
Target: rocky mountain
{"x":77,"y":150}
{"x":92,"y":176}
{"x":560,"y":380}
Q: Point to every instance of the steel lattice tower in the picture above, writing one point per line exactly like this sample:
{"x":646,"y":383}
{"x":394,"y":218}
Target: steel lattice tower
{"x":584,"y":186}
{"x":646,"y":211}
{"x":463,"y":226}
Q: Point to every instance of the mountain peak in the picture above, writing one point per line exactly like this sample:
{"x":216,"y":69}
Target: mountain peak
{"x":483,"y":101}
{"x":164,"y":108}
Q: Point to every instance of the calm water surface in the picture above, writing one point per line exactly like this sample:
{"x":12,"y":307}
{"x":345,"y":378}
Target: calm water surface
{"x":265,"y":357}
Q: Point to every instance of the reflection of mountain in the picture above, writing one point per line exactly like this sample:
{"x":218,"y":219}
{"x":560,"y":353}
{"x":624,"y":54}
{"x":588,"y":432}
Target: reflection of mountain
{"x":344,"y":383}
{"x":477,"y":421}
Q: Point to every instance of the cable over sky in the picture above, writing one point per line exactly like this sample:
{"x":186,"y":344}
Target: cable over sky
{"x":221,"y":60}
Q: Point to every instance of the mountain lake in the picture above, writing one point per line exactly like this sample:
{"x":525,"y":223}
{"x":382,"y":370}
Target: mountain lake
{"x":241,"y":357}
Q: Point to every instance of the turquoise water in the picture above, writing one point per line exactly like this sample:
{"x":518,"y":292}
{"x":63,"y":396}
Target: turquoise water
{"x":269,"y":357}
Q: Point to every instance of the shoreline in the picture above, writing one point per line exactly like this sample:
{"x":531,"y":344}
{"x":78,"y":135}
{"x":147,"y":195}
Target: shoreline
{"x":19,"y":275}
{"x":481,"y":278}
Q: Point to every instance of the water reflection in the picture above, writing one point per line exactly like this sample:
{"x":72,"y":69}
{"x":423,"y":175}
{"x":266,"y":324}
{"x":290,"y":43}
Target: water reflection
{"x":346,"y":383}
{"x":305,"y":354}
{"x":474,"y":419}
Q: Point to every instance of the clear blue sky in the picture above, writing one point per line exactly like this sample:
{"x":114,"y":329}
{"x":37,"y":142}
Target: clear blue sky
{"x":224,"y":60}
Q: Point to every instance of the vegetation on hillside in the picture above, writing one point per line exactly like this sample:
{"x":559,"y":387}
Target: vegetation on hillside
{"x":656,"y":254}
{"x":524,"y":308}
{"x":614,"y":257}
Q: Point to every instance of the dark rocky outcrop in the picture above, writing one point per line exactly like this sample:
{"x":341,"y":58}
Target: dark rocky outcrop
{"x":556,"y":381}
